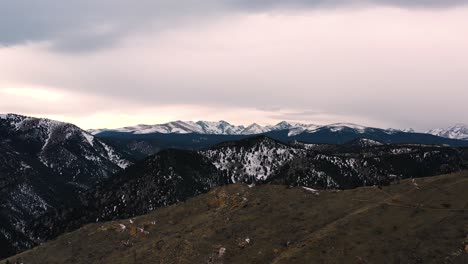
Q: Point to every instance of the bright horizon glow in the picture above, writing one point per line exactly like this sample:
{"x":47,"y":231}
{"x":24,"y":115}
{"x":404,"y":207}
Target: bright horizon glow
{"x":115,"y":120}
{"x":38,"y":94}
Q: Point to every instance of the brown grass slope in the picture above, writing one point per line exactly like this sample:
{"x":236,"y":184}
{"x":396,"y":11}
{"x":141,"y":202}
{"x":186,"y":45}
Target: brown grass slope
{"x":422,"y":222}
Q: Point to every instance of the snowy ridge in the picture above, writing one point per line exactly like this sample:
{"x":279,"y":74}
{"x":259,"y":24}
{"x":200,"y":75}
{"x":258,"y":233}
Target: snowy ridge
{"x":225,"y":128}
{"x":341,"y":126}
{"x":458,"y":131}
{"x":221,"y":127}
{"x":255,"y":129}
{"x":52,"y":134}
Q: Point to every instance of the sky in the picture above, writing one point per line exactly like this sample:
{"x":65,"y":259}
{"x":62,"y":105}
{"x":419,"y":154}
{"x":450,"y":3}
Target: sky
{"x":114,"y":63}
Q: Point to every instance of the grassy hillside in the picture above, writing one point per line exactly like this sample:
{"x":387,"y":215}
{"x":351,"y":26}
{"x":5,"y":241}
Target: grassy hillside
{"x":425,"y":221}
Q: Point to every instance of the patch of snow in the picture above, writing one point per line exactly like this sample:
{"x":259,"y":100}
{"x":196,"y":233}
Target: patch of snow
{"x":89,"y":138}
{"x":25,"y":166}
{"x":28,"y":200}
{"x":314,"y":191}
{"x":114,"y":157}
{"x":92,"y":157}
{"x":398,"y":151}
{"x":222,"y":252}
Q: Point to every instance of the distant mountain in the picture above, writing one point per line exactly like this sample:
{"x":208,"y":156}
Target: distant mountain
{"x":208,"y":128}
{"x":458,"y":131}
{"x":44,"y":165}
{"x":182,"y":127}
{"x":142,"y":143}
{"x":225,"y":128}
{"x":343,"y":133}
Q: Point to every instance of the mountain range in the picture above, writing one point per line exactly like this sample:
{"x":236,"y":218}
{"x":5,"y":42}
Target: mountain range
{"x":209,"y":128}
{"x":56,"y":177}
{"x":458,"y":131}
{"x":143,"y":140}
{"x":142,"y":143}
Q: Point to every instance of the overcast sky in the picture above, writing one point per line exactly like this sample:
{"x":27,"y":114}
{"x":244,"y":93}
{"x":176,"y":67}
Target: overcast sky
{"x":113,"y":63}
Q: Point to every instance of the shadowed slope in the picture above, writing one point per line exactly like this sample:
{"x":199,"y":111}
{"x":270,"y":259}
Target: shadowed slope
{"x":415,"y":222}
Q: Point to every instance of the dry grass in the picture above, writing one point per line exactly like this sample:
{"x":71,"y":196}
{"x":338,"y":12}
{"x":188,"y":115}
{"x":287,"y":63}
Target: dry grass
{"x":398,"y":224}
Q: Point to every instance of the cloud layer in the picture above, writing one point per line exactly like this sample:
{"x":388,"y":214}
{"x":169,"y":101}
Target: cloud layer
{"x":380,"y":63}
{"x":79,"y":25}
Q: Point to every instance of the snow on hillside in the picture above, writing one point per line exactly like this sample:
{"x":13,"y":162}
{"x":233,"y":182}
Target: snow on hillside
{"x":54,"y":134}
{"x":365,"y":142}
{"x":251,"y":163}
{"x":115,"y":158}
{"x":44,"y":165}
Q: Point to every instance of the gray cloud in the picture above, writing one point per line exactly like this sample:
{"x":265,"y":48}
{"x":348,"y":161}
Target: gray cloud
{"x":71,"y":24}
{"x":400,"y":68}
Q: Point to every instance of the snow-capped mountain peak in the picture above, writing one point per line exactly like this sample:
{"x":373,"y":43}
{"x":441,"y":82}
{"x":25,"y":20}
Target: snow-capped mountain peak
{"x":340,"y":126}
{"x":458,"y":131}
{"x":255,"y":129}
{"x":293,"y":129}
{"x":209,"y":127}
{"x":282,"y":125}
{"x":220,"y":127}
